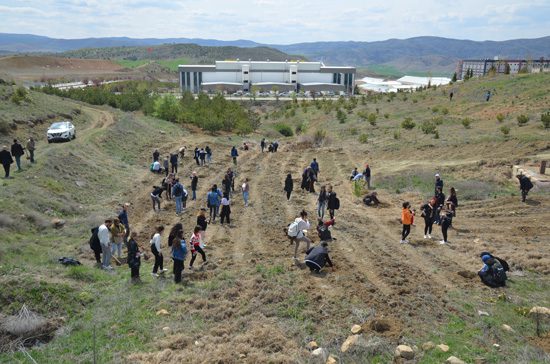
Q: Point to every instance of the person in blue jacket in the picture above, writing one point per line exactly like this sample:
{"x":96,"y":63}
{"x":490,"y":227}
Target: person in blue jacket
{"x":315,"y":166}
{"x":234,"y":154}
{"x":179,"y":251}
{"x":213,"y":199}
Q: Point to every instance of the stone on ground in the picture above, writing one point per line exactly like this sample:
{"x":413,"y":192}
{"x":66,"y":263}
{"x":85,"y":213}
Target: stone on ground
{"x":482,"y":313}
{"x":162,"y":312}
{"x":351,"y":341}
{"x":312,"y":345}
{"x":404,"y":351}
{"x":507,"y":328}
{"x":454,"y":360}
{"x":320,"y":353}
{"x":356,"y":329}
{"x":444,"y":348}
{"x":428,"y":346}
{"x":331,"y":360}
{"x":540,"y":310}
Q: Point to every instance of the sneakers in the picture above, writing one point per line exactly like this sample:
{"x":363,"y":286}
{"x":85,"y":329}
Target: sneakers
{"x":155,"y":275}
{"x":425,"y":236}
{"x":163,"y":270}
{"x":429,"y":236}
{"x":442,"y":242}
{"x":402,"y":241}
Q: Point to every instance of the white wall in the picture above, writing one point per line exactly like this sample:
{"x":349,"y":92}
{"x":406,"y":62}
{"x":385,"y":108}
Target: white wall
{"x":222,"y":77}
{"x":315,"y":77}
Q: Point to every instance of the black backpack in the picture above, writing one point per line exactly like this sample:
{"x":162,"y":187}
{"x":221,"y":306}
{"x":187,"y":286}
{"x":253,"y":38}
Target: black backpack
{"x":324,"y":233}
{"x":336,"y":203}
{"x":94,"y":242}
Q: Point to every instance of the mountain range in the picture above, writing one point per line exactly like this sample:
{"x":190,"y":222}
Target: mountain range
{"x":423,"y":54}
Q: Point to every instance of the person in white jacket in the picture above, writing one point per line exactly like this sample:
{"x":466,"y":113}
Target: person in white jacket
{"x":104,"y":235}
{"x":157,"y":252}
{"x":303,"y":226}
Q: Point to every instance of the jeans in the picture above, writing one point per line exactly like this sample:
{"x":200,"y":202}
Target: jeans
{"x":321,"y":207}
{"x":214,"y":212}
{"x":444,"y":227}
{"x":156,"y":200}
{"x":18,"y":162}
{"x":209,"y":158}
{"x":194,"y":195}
{"x":116,"y":247}
{"x":175,"y":168}
{"x":298,"y":240}
{"x":178,"y":204}
{"x":245,"y":197}
{"x":31,"y":153}
{"x":106,"y":250}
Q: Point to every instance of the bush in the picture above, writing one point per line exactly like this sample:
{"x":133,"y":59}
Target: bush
{"x":341,"y":116}
{"x":466,"y":122}
{"x":353,"y":131}
{"x":408,"y":124}
{"x":300,"y":128}
{"x":386,"y":115}
{"x":363,"y":138}
{"x":500,"y":117}
{"x":522,"y":119}
{"x":319,"y":137}
{"x":284,"y":129}
{"x":505,"y":130}
{"x":435,"y":109}
{"x":20,"y":95}
{"x":428,"y":127}
{"x":396,"y":134}
{"x":372,"y":119}
{"x":545,"y":119}
{"x":444,"y":111}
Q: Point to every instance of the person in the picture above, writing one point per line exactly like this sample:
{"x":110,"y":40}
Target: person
{"x":202,"y":156}
{"x":428,"y":213}
{"x":245,"y":188}
{"x":275,"y":146}
{"x":213,"y":201}
{"x":323,"y":229}
{"x":7,"y":160}
{"x":196,"y":156}
{"x":262,"y":144}
{"x":371,"y":199}
{"x":194,"y":184}
{"x":317,"y":257}
{"x":311,"y":178}
{"x":208,"y":154}
{"x":232,"y":176}
{"x":289,"y":186}
{"x":406,"y":219}
{"x":366,"y":174}
{"x":488,"y":95}
{"x":234,"y":155}
{"x":31,"y":147}
{"x":452,"y":201}
{"x":104,"y":235}
{"x":174,"y":233}
{"x":201,"y":221}
{"x":177,"y":192}
{"x":167,"y":183}
{"x":156,"y":196}
{"x":493,"y":272}
{"x":17,"y":151}
{"x":95,"y":245}
{"x":301,"y":225}
{"x":166,"y":165}
{"x":315,"y":166}
{"x":156,"y":168}
{"x":226,"y":184}
{"x":304,"y":185}
{"x":439,"y":203}
{"x":174,"y":162}
{"x":196,"y":247}
{"x":179,"y":251}
{"x":182,"y":152}
{"x":438,"y":183}
{"x":446,"y":219}
{"x":525,"y":186}
{"x":357,"y":177}
{"x":117,"y":233}
{"x":270,"y":148}
{"x":123,"y":217}
{"x":245,"y":146}
{"x":226,"y":209}
{"x":333,"y":203}
{"x":134,"y":258}
{"x":156,"y":249}
{"x":451,"y":96}
{"x":353,"y":174}
{"x":322,"y":202}
{"x":156,"y":155}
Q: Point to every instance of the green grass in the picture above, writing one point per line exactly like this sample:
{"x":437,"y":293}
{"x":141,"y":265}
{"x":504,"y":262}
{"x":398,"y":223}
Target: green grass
{"x":132,"y":64}
{"x":172,"y":64}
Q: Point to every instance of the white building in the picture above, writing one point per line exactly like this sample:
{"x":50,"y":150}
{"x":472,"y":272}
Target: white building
{"x":284,"y":76}
{"x":405,"y":83}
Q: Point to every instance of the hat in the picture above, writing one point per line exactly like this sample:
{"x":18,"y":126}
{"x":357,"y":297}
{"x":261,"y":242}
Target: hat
{"x":485,"y":258}
{"x":437,"y":174}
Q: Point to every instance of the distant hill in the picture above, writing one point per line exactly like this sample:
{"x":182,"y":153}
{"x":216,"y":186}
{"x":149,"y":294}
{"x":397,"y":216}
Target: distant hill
{"x":190,"y":52}
{"x":419,"y":54}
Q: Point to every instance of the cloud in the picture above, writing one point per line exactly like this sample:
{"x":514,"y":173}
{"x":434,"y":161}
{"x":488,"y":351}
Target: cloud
{"x":21,"y":10}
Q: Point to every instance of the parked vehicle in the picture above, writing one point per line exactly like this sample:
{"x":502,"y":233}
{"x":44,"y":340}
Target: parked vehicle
{"x":61,"y":130}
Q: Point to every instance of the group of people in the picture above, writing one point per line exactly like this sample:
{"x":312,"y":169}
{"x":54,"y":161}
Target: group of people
{"x":169,"y":163}
{"x":202,"y":156}
{"x":357,"y":176}
{"x":16,"y":151}
{"x":271,"y":146}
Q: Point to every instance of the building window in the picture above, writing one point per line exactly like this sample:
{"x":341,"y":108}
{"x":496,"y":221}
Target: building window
{"x":245,"y":72}
{"x":245,"y":81}
{"x":293,"y":81}
{"x":293,"y":72}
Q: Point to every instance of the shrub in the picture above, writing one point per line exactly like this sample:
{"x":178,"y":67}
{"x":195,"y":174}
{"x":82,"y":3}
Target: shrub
{"x":396,"y":134}
{"x":522,"y":119}
{"x":438,"y":120}
{"x":428,"y":127}
{"x":300,"y":128}
{"x":341,"y":116}
{"x":500,"y":117}
{"x":386,"y":115}
{"x":167,"y":108}
{"x":372,"y":119}
{"x":363,"y":115}
{"x":408,"y":123}
{"x":284,"y":129}
{"x":363,"y":138}
{"x":435,"y":109}
{"x":353,"y":131}
{"x":319,"y":137}
{"x":466,"y":122}
{"x":444,"y":111}
{"x":20,"y":95}
{"x":545,"y":119}
{"x":505,"y":130}
{"x":415,"y":101}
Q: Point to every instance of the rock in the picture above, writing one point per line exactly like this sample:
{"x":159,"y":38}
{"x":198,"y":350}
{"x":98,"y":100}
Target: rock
{"x":242,"y":356}
{"x":312,"y":345}
{"x":80,"y":183}
{"x":454,"y":360}
{"x":331,"y":360}
{"x":58,"y":223}
{"x":444,"y":348}
{"x":198,"y":343}
{"x":540,"y":311}
{"x":404,"y":351}
{"x":162,"y":312}
{"x":320,"y":353}
{"x":482,"y":313}
{"x":467,"y":274}
{"x":507,"y":328}
{"x":167,"y":330}
{"x":350,"y":341}
{"x":356,"y":329}
{"x":480,"y":361}
{"x":428,"y":346}
{"x":30,"y":124}
{"x":496,"y":346}
{"x":162,"y":132}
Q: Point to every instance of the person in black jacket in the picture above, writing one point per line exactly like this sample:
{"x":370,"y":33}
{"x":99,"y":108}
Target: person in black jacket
{"x":156,"y":155}
{"x":6,"y":160}
{"x":333,"y":203}
{"x":428,"y":213}
{"x":134,"y":258}
{"x":289,"y":186}
{"x":95,"y":245}
{"x":194,"y":183}
{"x":174,"y":162}
{"x":439,"y":203}
{"x":201,"y":221}
{"x":525,"y":186}
{"x":446,"y":218}
{"x":17,"y":151}
{"x":156,"y":196}
{"x":366,"y":174}
{"x":317,"y":257}
{"x":438,"y":183}
{"x":493,"y":272}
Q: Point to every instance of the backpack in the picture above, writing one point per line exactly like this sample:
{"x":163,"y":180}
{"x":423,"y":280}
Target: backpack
{"x":293,"y":229}
{"x":499,"y":274}
{"x":178,"y":190}
{"x":336,"y":203}
{"x":94,"y":242}
{"x":528,"y":183}
{"x":324,"y":233}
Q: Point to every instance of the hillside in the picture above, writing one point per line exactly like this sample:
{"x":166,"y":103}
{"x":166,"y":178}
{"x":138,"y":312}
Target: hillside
{"x":252,"y":303}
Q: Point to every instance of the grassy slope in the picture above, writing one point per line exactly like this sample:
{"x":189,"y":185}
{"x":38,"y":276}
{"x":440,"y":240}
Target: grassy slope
{"x":124,"y":316}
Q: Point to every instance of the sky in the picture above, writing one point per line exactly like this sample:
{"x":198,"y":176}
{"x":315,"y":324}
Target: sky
{"x":278,"y":21}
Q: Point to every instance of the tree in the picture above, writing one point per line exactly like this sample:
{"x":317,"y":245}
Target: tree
{"x":454,"y":77}
{"x":506,"y":68}
{"x":167,"y":108}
